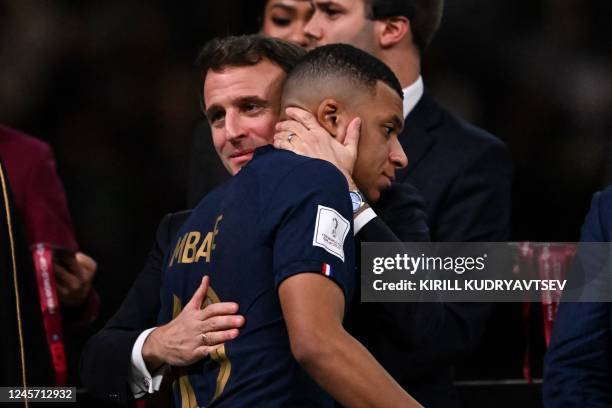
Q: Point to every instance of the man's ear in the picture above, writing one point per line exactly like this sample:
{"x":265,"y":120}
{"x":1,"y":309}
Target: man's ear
{"x":331,"y":115}
{"x":393,"y":30}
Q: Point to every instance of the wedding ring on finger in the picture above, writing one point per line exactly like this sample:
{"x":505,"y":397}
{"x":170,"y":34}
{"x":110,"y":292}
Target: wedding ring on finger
{"x":291,"y":136}
{"x":204,"y":338}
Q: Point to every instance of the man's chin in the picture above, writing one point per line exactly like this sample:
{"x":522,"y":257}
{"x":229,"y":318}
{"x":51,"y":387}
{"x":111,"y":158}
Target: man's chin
{"x":372,"y":195}
{"x":231,"y":169}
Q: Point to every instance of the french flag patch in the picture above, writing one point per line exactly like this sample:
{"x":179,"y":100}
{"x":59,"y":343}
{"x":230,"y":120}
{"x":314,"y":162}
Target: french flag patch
{"x":327,"y":269}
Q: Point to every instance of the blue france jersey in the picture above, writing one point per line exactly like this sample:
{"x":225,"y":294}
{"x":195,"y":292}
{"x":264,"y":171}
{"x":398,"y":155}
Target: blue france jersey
{"x":281,"y":215}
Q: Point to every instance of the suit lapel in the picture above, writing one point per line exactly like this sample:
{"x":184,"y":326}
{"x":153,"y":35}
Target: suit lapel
{"x":416,"y":138}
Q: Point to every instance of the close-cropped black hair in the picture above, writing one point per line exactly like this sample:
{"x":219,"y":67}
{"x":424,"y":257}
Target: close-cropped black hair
{"x":345,"y":61}
{"x":245,"y":50}
{"x":424,"y":16}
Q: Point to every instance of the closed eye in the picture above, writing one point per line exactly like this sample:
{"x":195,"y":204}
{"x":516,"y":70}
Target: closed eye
{"x":251,"y":108}
{"x":330,"y":11}
{"x":281,"y":22}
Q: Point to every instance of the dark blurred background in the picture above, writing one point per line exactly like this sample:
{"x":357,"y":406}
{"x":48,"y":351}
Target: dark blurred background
{"x":110,"y":85}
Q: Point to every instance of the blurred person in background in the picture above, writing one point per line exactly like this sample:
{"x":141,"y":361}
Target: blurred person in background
{"x":578,"y":363}
{"x":284,"y":19}
{"x":41,"y":205}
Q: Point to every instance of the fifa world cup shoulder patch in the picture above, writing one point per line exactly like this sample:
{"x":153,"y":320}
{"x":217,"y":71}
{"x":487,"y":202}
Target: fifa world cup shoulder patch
{"x":331,"y":230}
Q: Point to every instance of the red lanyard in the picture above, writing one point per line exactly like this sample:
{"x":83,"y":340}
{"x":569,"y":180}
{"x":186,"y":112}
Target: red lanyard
{"x":49,"y":304}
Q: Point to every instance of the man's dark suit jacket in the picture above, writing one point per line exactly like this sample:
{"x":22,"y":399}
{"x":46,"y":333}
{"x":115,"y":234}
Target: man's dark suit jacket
{"x":578,"y":364}
{"x":463,"y":173}
{"x":106,"y":359}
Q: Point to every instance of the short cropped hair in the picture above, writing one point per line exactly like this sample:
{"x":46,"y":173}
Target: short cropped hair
{"x":245,"y":50}
{"x":424,"y":15}
{"x":329,"y":62}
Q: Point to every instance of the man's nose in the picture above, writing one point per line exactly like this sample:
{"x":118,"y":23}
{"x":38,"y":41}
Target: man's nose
{"x":397,"y":155}
{"x":312,"y":30}
{"x":234,"y":130}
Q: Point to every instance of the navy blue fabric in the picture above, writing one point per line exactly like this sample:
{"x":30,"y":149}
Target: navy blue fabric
{"x":269,"y":212}
{"x":578,"y":363}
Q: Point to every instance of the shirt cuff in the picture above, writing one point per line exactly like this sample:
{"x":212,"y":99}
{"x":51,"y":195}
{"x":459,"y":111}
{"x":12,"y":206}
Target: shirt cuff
{"x":362,"y":219}
{"x":140,"y":380}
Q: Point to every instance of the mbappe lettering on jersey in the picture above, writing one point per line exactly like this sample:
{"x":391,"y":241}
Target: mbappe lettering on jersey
{"x":191,"y":248}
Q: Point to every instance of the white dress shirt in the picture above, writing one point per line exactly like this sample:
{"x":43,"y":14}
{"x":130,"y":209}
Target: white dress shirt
{"x":412,"y":95}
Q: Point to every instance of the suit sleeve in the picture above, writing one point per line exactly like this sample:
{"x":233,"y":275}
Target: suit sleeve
{"x":105,"y":362}
{"x":403,"y":208}
{"x":577,"y":364}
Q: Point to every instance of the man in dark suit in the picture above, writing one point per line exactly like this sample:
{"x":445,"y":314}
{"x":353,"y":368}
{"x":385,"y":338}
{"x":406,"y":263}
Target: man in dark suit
{"x":578,"y":364}
{"x":462,"y":172}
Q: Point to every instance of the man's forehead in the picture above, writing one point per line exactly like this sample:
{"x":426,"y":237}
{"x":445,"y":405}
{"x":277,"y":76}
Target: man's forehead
{"x":264,"y":69}
{"x":260,"y":78}
{"x":344,"y":3}
{"x":341,"y":4}
{"x":287,"y":4}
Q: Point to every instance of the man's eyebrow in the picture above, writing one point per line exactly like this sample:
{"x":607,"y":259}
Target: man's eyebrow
{"x":213,"y":109}
{"x":251,"y":99}
{"x":284,"y":7}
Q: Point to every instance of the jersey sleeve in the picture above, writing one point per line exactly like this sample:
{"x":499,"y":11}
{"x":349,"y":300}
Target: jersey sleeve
{"x":311,"y":215}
